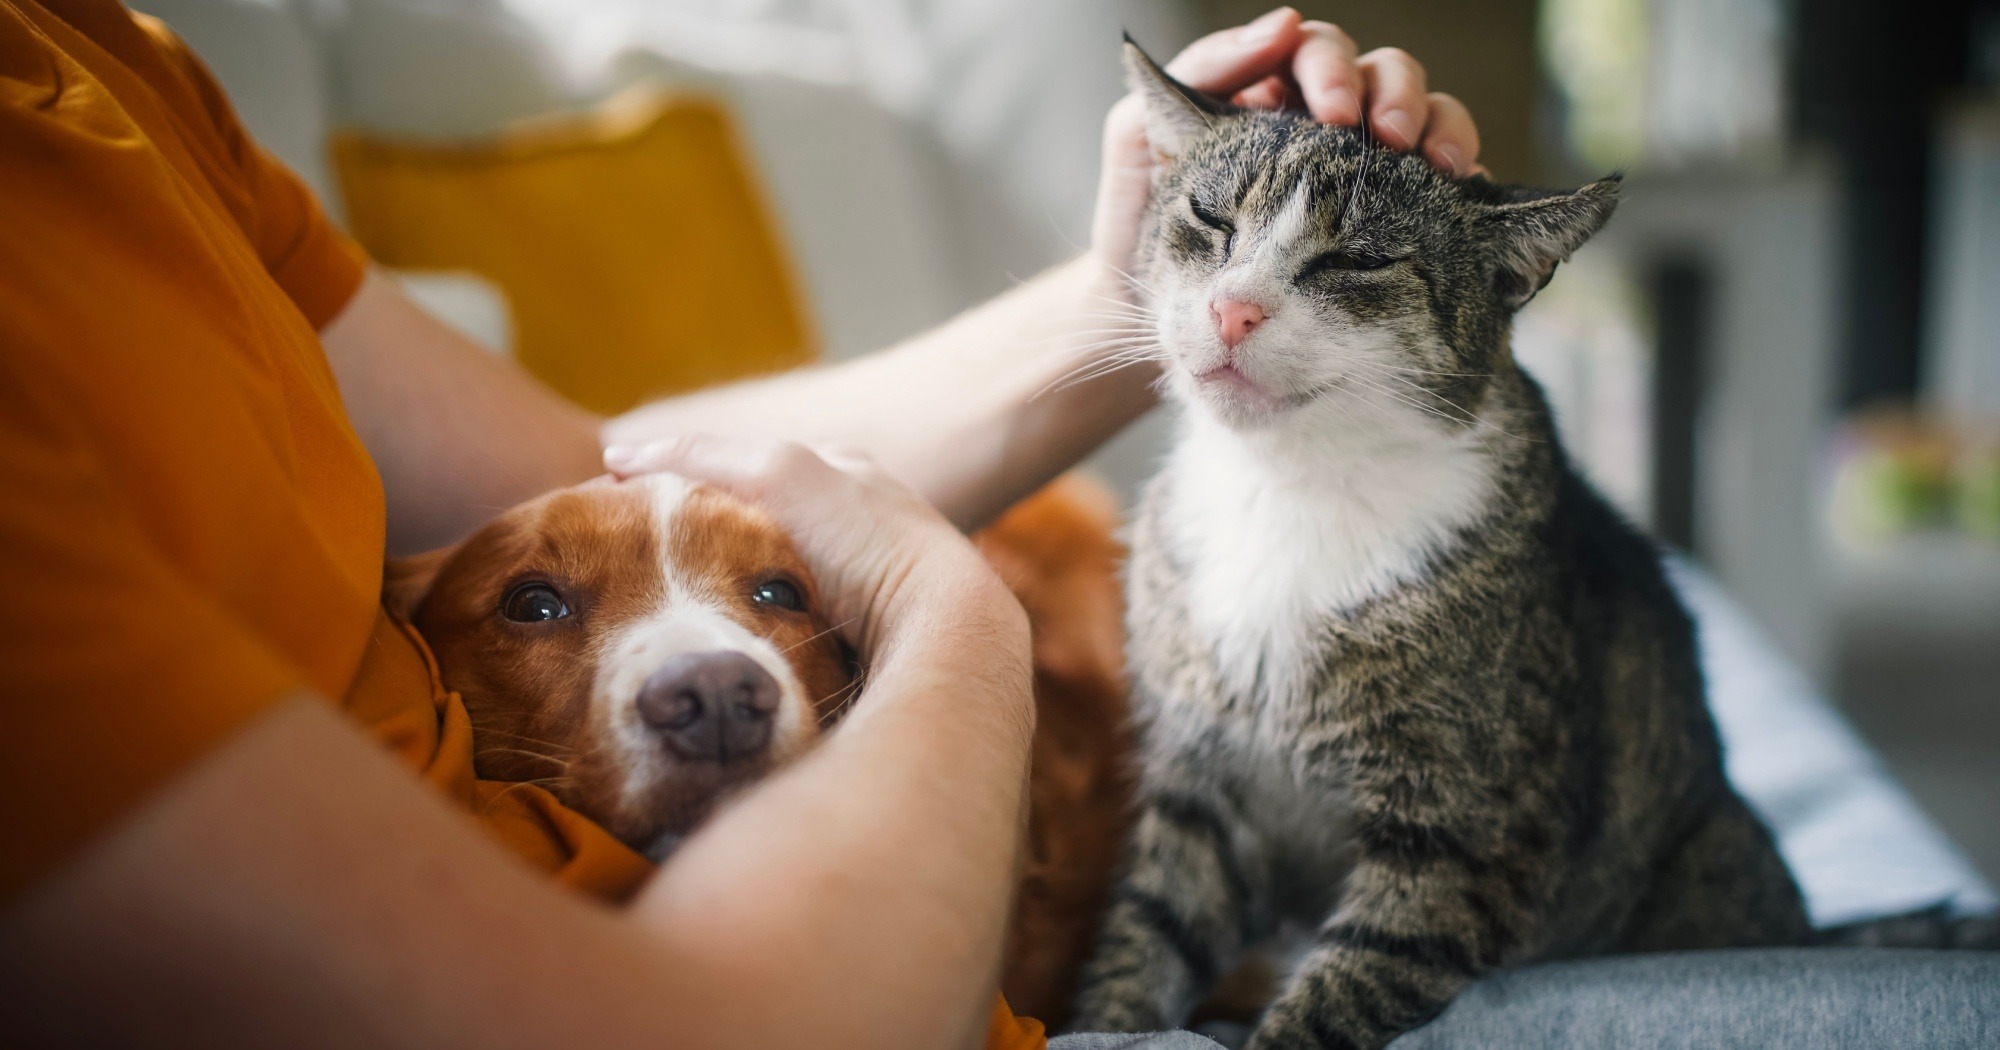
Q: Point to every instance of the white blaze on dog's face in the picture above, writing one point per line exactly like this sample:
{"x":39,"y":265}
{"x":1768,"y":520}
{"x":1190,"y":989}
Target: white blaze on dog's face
{"x":638,"y":648}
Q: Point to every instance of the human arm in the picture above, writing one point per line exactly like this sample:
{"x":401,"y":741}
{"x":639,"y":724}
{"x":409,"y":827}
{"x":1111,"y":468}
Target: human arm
{"x":985,"y":409}
{"x":457,"y":433}
{"x":973,"y":414}
{"x":855,"y":899}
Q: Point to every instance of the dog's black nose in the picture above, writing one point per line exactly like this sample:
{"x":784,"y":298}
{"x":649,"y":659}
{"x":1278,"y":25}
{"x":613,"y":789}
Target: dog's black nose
{"x":714,"y":706}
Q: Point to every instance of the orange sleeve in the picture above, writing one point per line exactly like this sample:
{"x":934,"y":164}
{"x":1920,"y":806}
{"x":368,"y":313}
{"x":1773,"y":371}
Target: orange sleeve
{"x":118,"y":672}
{"x":316,"y":264}
{"x":1007,"y":1031}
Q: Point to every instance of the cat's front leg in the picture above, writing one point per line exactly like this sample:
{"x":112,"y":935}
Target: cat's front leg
{"x":1192,"y":895}
{"x":1410,"y":934}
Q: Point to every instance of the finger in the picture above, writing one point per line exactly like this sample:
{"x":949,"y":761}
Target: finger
{"x":624,"y":461}
{"x":1394,"y":86}
{"x":1268,"y":93}
{"x":1224,"y":63}
{"x":847,"y":458}
{"x":1451,"y":140}
{"x":748,"y":466}
{"x":1328,"y":74}
{"x":667,"y":455}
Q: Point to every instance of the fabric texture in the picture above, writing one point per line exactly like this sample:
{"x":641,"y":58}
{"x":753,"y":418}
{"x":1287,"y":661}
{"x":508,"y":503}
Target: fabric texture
{"x":1774,"y":999}
{"x":178,"y":467}
{"x":1779,"y":999}
{"x":1858,"y":845}
{"x":631,"y":242}
{"x":200,"y":527}
{"x":1142,"y":1041}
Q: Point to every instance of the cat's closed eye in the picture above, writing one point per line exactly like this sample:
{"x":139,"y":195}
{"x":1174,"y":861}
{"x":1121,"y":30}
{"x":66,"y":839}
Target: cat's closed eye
{"x":1214,"y":222}
{"x":1347,"y":259}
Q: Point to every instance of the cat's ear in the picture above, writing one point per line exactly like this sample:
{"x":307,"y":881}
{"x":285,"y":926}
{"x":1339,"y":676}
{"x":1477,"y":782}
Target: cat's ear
{"x":1175,"y":113}
{"x":1533,"y":230}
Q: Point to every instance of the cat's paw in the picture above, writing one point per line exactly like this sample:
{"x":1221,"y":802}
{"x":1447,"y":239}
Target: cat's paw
{"x":1285,"y":1027}
{"x":1104,"y":1009}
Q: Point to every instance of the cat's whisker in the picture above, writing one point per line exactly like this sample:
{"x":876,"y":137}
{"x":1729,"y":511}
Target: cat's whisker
{"x":1455,"y":411}
{"x":1129,"y":355}
{"x":1119,"y":332}
{"x":1097,"y":375}
{"x":1101,"y":348}
{"x":1125,"y":304}
{"x":1135,"y":282}
{"x":1450,"y":415}
{"x":1428,"y":372}
{"x":1101,"y":368}
{"x":1116,"y":336}
{"x":1098,"y":353}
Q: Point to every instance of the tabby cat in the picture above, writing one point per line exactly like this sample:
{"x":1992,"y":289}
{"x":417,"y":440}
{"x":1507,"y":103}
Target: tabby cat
{"x":1404,"y":679}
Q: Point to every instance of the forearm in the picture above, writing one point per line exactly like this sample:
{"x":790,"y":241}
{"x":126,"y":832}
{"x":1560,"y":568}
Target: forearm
{"x":973,"y":415}
{"x":457,"y":433}
{"x":887,"y":857}
{"x":376,"y":915}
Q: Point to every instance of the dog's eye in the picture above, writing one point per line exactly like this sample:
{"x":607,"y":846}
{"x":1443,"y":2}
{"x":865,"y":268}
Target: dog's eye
{"x":782,"y":593}
{"x":533,"y":603}
{"x":1348,"y":259}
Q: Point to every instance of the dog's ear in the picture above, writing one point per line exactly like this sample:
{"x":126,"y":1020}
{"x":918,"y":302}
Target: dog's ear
{"x":405,"y":581}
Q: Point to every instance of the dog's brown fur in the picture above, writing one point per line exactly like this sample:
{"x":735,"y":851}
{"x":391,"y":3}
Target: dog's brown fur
{"x":1055,"y":549}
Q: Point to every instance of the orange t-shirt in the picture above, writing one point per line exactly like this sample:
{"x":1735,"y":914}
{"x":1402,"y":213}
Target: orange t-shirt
{"x":190,"y":528}
{"x":199,"y":528}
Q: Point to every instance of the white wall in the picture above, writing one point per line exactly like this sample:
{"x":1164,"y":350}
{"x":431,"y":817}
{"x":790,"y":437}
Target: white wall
{"x":1762,"y":430}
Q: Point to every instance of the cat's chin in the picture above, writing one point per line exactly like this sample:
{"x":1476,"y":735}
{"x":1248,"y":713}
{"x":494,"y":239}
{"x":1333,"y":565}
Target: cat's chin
{"x":1235,"y":401}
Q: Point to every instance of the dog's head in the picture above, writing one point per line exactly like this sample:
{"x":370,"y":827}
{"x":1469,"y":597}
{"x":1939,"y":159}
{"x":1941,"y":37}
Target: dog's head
{"x":638,"y":648}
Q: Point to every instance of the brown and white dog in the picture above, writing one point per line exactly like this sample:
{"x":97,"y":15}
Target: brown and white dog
{"x":644,"y":648}
{"x":636,"y":648}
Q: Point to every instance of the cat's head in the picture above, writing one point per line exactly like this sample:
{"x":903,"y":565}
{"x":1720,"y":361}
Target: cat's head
{"x":1289,"y":263}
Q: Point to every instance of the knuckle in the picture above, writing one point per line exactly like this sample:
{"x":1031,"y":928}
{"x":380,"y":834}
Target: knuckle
{"x":1448,"y":105}
{"x":675,"y":450}
{"x":789,"y":459}
{"x":1331,"y":32}
{"x":1202,"y":50}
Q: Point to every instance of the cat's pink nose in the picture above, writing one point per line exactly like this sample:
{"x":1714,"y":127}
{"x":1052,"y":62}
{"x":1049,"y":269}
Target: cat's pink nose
{"x":1235,"y":320}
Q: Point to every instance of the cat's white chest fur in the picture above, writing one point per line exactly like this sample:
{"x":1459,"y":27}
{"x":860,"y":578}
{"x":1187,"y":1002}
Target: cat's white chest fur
{"x":1279,"y":528}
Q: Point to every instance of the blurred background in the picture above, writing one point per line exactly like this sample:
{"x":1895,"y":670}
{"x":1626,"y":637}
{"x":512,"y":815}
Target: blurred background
{"x":1783,"y":355}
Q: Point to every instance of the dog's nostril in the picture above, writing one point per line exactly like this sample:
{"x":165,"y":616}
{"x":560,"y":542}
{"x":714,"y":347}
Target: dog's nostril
{"x":678,"y":709}
{"x":713,"y":706}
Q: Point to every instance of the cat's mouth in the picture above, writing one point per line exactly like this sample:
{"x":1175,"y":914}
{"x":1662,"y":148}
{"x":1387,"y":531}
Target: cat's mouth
{"x":1228,"y":385}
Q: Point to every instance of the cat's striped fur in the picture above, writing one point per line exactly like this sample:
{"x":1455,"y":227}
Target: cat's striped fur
{"x":1403,"y":677}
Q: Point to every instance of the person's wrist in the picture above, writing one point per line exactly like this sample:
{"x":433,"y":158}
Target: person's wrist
{"x":952,"y":603}
{"x":1100,"y":278}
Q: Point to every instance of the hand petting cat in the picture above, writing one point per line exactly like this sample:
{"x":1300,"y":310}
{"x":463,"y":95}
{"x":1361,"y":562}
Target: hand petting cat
{"x":1282,"y":61}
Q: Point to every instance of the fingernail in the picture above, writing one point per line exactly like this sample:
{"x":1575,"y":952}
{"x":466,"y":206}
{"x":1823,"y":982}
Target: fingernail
{"x":1265,"y":29}
{"x":1448,"y":158}
{"x":1343,"y":106}
{"x":1401,"y":123}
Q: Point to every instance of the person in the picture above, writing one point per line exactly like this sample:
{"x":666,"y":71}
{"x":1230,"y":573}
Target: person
{"x":236,"y":800}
